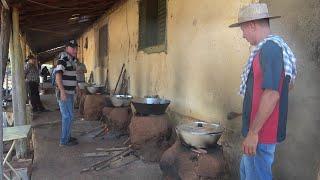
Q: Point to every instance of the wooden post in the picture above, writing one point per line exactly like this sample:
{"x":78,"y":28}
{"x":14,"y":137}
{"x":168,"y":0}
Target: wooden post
{"x":19,"y":88}
{"x":5,"y":4}
{"x":23,"y":42}
{"x":25,"y":46}
{"x":5,"y":39}
{"x":4,"y":50}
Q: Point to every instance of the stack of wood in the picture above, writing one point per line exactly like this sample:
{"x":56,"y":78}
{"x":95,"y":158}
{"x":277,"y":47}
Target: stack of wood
{"x":113,"y":158}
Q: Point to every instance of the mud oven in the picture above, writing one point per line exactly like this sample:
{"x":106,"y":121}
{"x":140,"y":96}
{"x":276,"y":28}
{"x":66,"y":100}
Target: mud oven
{"x":195,"y":154}
{"x":189,"y":151}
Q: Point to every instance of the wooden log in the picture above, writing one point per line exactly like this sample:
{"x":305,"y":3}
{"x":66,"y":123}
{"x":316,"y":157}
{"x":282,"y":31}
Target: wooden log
{"x":19,"y":93}
{"x":111,"y":149}
{"x":107,"y":164}
{"x":101,"y":132}
{"x":126,"y":142}
{"x":94,"y":129}
{"x":5,"y":4}
{"x":102,"y":162}
{"x":4,"y":50}
{"x":99,"y":154}
{"x":115,"y":158}
{"x":122,"y":162}
{"x":6,"y":22}
{"x":48,"y":31}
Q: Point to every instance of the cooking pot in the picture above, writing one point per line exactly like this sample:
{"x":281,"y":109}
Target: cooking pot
{"x":96,"y":89}
{"x":82,"y":85}
{"x":200,"y":134}
{"x":121,"y":100}
{"x":150,"y":106}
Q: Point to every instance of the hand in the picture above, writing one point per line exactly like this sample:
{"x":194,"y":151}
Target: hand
{"x":63,"y":96}
{"x":249,"y":145}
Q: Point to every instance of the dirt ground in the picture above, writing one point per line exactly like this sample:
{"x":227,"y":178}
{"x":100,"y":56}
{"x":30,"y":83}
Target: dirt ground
{"x":54,"y":162}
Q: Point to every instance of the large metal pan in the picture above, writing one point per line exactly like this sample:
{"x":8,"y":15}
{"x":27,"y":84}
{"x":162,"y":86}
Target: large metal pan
{"x":121,"y":100}
{"x":150,"y":106}
{"x":200,"y":134}
{"x":96,"y":89}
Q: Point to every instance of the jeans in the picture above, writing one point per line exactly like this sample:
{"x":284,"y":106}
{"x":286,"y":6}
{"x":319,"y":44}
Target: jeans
{"x":258,"y":167}
{"x":66,"y":109}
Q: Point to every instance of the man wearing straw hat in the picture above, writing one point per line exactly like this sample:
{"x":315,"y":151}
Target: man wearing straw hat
{"x":265,"y":83}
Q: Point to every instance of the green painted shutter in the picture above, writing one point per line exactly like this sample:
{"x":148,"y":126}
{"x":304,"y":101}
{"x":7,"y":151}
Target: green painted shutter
{"x":152,"y":23}
{"x":103,"y":45}
{"x":162,"y":21}
{"x":142,"y":24}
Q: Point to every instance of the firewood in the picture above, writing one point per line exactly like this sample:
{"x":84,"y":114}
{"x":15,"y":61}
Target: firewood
{"x":111,"y":149}
{"x":102,"y":131}
{"x":99,"y":163}
{"x":100,"y":154}
{"x":124,"y":143}
{"x":113,"y":160}
{"x":92,"y":130}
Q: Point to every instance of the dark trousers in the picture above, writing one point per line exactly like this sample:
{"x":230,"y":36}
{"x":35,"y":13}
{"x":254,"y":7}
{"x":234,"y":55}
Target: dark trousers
{"x":34,"y":97}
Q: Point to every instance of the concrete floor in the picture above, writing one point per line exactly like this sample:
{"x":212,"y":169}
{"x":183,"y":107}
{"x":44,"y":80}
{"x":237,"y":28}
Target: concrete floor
{"x":54,"y":162}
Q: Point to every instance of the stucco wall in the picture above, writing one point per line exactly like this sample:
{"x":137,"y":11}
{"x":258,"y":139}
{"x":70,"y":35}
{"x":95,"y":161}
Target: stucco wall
{"x":88,"y":55}
{"x":200,"y":71}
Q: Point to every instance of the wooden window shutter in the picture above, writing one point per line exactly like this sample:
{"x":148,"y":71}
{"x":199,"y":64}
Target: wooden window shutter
{"x":162,"y":21}
{"x":103,"y":45}
{"x":142,"y":24}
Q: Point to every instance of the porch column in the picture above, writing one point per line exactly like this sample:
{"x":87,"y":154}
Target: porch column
{"x":4,"y":50}
{"x":19,"y":88}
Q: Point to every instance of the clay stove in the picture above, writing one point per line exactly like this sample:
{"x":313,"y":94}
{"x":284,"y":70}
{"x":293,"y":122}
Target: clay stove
{"x":195,"y":154}
{"x":118,"y":114}
{"x":150,"y":130}
{"x":117,"y":118}
{"x":93,"y":105}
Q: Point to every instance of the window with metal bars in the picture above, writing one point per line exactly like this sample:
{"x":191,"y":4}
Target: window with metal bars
{"x":152,"y":25}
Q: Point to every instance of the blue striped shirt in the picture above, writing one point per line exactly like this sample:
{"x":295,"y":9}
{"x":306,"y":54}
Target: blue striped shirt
{"x":66,"y":66}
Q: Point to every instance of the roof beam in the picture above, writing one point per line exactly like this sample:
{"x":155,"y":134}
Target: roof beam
{"x":60,"y":7}
{"x":54,"y":23}
{"x":95,"y":6}
{"x":48,"y":31}
{"x":5,"y":4}
{"x":63,"y":12}
{"x":57,"y":24}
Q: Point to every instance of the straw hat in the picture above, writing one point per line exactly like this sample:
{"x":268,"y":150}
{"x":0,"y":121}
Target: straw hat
{"x":254,"y":11}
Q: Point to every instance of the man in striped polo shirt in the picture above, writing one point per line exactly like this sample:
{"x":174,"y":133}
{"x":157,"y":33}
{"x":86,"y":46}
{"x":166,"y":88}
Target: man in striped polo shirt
{"x":66,"y":81}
